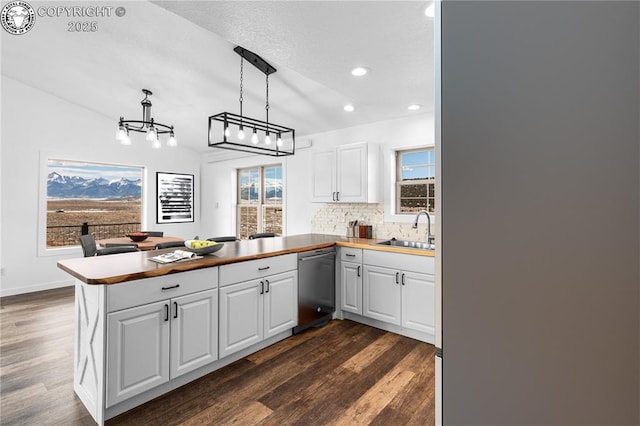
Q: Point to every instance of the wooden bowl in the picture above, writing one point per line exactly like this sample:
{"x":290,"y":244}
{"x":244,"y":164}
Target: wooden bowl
{"x":138,"y":236}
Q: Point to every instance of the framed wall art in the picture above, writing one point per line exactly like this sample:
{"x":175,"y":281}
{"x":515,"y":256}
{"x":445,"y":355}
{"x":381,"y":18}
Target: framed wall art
{"x":174,"y":197}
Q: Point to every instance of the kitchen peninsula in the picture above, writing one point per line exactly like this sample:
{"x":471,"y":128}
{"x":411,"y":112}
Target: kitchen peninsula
{"x":143,"y":328}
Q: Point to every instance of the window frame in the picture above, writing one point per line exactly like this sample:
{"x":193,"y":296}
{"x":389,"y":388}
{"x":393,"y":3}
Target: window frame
{"x":398,"y":182}
{"x":42,"y":249}
{"x":261,"y":205}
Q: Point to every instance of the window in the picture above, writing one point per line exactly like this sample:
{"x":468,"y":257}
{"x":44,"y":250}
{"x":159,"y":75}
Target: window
{"x":104,"y":200}
{"x":415,"y":181}
{"x":259,"y":200}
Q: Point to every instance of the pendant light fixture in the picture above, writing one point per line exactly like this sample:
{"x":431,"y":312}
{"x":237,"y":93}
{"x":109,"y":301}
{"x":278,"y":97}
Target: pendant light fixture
{"x":146,"y":125}
{"x":262,"y":132}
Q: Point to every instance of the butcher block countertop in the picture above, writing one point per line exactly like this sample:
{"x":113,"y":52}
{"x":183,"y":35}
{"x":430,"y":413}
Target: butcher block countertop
{"x":118,"y":268}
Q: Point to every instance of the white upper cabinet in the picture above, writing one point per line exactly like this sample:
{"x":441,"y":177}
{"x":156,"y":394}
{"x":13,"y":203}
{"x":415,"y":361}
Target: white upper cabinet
{"x":347,"y":174}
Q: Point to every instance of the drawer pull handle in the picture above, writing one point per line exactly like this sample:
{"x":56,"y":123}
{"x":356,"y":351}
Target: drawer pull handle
{"x":166,"y":312}
{"x":170,"y":287}
{"x":397,"y":277}
{"x":358,"y":270}
{"x":261,"y":287}
{"x":267,"y":290}
{"x":403,"y":278}
{"x":264,"y":268}
{"x":350,"y":255}
{"x":175,"y":305}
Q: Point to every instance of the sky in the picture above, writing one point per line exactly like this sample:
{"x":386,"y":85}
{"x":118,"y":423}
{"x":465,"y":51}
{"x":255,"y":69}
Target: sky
{"x":418,"y":165}
{"x":94,"y":170}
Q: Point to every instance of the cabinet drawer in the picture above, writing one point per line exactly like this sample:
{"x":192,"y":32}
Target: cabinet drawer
{"x":400,"y":261}
{"x":348,"y":254}
{"x":148,"y":290}
{"x":252,"y":269}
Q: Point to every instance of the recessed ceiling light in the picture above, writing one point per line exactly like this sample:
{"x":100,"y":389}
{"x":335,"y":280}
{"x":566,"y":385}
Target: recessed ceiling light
{"x":430,"y":11}
{"x":414,"y":107}
{"x":359,"y":71}
{"x":349,"y":108}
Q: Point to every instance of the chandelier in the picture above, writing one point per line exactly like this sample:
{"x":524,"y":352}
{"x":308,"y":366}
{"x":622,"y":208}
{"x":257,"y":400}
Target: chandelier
{"x":146,"y":125}
{"x":263,"y":133}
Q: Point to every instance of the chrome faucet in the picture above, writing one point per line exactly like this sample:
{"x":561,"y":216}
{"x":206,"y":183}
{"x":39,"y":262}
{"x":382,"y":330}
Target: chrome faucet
{"x":430,"y":237}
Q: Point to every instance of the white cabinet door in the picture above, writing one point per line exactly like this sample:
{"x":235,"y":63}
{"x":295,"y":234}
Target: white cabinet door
{"x":324,"y":176}
{"x":280,"y":303}
{"x":381,"y":294}
{"x":194,"y":331}
{"x":137,"y":350}
{"x":241,"y":316}
{"x":351,"y":287}
{"x":418,"y":302}
{"x":351,"y":185}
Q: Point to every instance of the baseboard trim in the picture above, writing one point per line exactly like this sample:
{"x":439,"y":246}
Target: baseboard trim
{"x":33,"y":288}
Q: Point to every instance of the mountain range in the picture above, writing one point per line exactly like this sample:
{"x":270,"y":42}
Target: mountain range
{"x":61,"y":186}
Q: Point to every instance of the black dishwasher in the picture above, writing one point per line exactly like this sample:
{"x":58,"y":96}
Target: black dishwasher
{"x":316,"y":288}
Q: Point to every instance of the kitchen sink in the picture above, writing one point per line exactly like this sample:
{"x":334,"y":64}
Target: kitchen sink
{"x":418,"y":245}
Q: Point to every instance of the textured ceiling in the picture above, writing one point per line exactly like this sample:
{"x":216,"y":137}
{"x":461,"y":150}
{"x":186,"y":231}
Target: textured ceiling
{"x":183,"y":52}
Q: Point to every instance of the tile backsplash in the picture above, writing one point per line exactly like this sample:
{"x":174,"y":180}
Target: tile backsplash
{"x":334,"y":219}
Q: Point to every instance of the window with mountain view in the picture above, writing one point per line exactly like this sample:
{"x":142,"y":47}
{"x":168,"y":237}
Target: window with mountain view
{"x":104,"y":199}
{"x":416,"y":181}
{"x":259,"y":207}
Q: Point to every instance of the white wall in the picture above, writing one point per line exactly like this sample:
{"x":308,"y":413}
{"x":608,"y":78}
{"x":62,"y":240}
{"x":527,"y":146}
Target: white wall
{"x":218,"y":185}
{"x":36,"y":124}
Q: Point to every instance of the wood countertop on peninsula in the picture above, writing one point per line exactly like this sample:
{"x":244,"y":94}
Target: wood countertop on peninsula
{"x":118,"y":268}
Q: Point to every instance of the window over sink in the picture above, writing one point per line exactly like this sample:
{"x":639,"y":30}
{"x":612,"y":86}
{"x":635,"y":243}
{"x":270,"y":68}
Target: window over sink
{"x":259,"y":205}
{"x":415,"y":181}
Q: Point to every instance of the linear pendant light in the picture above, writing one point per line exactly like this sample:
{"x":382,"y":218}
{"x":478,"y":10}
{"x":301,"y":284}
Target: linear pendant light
{"x":262,"y":132}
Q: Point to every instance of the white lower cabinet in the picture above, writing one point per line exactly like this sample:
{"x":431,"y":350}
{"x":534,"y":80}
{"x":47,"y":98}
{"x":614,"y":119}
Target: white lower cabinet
{"x":151,"y":344}
{"x":257,"y":309}
{"x":351,"y":287}
{"x":418,"y":302}
{"x":137,"y":351}
{"x":399,"y":289}
{"x":381,"y":294}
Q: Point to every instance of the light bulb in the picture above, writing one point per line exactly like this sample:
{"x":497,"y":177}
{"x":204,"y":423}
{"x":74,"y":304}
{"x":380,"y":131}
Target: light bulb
{"x":254,"y":137}
{"x":349,"y":108}
{"x":126,"y":140}
{"x":227,"y":132}
{"x":241,"y":133}
{"x":279,"y":140}
{"x":156,"y":144}
{"x":151,"y":134}
{"x":172,"y":141}
{"x":430,"y":11}
{"x":120,"y":133}
{"x":359,"y":71}
{"x":267,"y":139}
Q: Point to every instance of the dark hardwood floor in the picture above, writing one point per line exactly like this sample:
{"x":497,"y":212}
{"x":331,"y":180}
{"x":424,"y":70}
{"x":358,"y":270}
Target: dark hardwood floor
{"x":344,"y":373}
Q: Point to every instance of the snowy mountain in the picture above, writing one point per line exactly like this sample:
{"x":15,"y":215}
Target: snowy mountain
{"x":61,"y":186}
